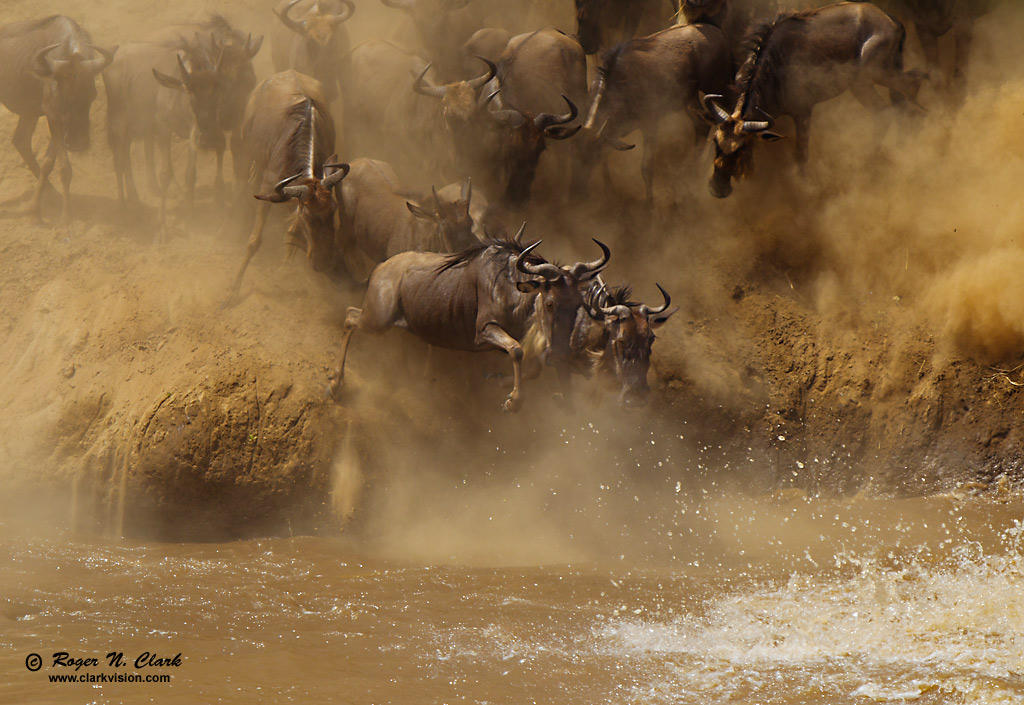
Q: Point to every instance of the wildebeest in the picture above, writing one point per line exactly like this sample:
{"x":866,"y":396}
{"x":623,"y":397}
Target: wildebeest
{"x":378,"y":220}
{"x":605,"y":23}
{"x":153,"y":94}
{"x":48,"y":68}
{"x":932,"y":20}
{"x":288,"y":133}
{"x":399,"y":114}
{"x":612,"y":338}
{"x":539,"y":75}
{"x":797,"y":61}
{"x":487,"y":43}
{"x":483,"y":298}
{"x":642,"y":81}
{"x":312,"y":39}
{"x":443,"y":27}
{"x":615,"y":335}
{"x":215,"y":42}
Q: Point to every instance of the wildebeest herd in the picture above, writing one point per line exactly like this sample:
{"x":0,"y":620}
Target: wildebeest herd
{"x":484,"y":98}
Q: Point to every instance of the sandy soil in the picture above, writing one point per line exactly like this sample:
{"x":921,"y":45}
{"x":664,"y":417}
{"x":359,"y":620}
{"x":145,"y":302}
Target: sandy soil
{"x":855,"y":329}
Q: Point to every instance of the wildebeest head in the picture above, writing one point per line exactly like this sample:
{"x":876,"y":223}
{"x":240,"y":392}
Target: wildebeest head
{"x":458,"y":99}
{"x":629,"y":328}
{"x":452,"y":219}
{"x":202,"y":85}
{"x":524,"y":139}
{"x":559,"y":297}
{"x":316,"y":207}
{"x":318,"y":28}
{"x":239,"y":77}
{"x":734,"y":144}
{"x":69,"y":87}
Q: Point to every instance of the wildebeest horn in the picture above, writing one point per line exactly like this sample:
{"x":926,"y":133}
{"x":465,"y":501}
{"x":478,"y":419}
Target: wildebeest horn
{"x":44,"y":65}
{"x":546,"y":270}
{"x":717,"y":112}
{"x":759,"y":125}
{"x":613,"y":142}
{"x":647,"y":310}
{"x":98,"y":64}
{"x":282,"y":191}
{"x":518,"y":239}
{"x":400,"y":4}
{"x":334,"y":178}
{"x":286,"y":19}
{"x":350,"y":9}
{"x":423,"y":88}
{"x":185,"y":75}
{"x":546,"y":120}
{"x":481,"y":80}
{"x":467,"y":190}
{"x":585,"y":271}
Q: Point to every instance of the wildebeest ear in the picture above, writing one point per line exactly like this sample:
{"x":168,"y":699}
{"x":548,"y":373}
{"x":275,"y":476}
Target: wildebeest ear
{"x":169,"y":81}
{"x":770,"y":136}
{"x":420,"y":212}
{"x":659,"y":318}
{"x":529,"y":286}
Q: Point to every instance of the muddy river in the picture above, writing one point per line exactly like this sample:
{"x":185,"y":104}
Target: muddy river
{"x":777,"y":600}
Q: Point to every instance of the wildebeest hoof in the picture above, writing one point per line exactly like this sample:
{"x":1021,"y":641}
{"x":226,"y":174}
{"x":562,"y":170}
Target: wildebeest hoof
{"x":511,"y":405}
{"x":333,"y":390}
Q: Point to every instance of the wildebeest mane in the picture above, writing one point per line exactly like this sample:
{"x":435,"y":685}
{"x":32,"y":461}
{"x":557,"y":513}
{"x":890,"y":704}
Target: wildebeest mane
{"x":494,"y":248}
{"x":758,"y":80}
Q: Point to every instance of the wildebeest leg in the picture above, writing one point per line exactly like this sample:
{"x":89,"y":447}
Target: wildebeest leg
{"x":190,"y":170}
{"x":497,"y":337}
{"x":929,"y":45}
{"x":353,"y":319}
{"x":149,"y":145}
{"x":239,"y":163}
{"x":803,"y":138}
{"x":218,"y":181}
{"x":35,"y":205}
{"x":964,"y":35}
{"x":255,"y":240}
{"x":647,"y":164}
{"x":166,"y":174}
{"x":22,"y":141}
{"x":65,"y":181}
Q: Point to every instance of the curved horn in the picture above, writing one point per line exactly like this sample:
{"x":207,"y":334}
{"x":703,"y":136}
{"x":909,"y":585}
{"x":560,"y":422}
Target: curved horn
{"x":282,"y":192}
{"x":185,"y":75}
{"x":335,"y":177}
{"x":647,"y":310}
{"x":751,"y":126}
{"x":717,"y":112}
{"x":45,"y":65}
{"x":546,"y":120}
{"x":286,"y":19}
{"x":400,"y":4}
{"x":104,"y":59}
{"x":546,"y":270}
{"x":467,"y":190}
{"x":518,"y":239}
{"x":584,"y":271}
{"x":423,"y":88}
{"x":350,"y":10}
{"x":481,"y":80}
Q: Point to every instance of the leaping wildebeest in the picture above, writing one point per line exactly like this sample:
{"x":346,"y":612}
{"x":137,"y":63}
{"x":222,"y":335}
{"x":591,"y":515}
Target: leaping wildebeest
{"x":154,"y":93}
{"x":288,"y":133}
{"x":312,"y":39}
{"x":48,"y":68}
{"x":642,"y":81}
{"x":797,"y":61}
{"x":484,"y":298}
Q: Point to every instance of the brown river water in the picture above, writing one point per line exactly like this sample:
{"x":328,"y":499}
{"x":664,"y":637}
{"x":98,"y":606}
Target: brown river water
{"x":778,"y":599}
